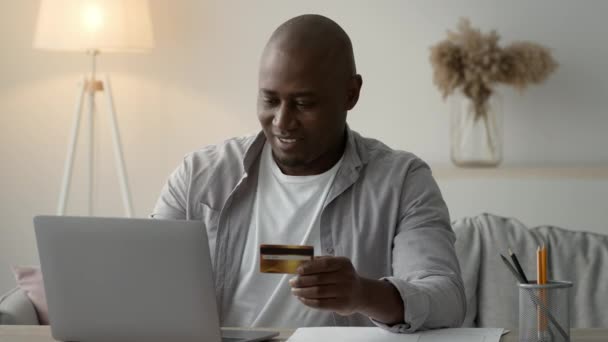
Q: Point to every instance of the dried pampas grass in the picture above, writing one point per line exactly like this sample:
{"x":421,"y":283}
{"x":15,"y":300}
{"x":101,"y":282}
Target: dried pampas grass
{"x":473,"y":61}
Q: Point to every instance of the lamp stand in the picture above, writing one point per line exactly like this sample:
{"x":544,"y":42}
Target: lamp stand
{"x":90,"y":86}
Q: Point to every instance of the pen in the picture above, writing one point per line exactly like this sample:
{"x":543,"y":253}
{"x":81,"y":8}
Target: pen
{"x":518,"y":266}
{"x":510,"y":267}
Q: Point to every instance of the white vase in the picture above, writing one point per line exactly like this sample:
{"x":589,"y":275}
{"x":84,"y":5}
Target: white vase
{"x":476,"y":135}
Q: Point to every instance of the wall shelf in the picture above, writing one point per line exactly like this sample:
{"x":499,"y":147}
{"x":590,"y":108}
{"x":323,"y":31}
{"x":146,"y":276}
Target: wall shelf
{"x":591,"y":172}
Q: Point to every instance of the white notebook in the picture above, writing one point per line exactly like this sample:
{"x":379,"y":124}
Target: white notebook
{"x":373,"y":334}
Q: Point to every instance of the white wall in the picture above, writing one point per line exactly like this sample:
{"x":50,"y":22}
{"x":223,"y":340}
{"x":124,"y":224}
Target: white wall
{"x":199,"y":86}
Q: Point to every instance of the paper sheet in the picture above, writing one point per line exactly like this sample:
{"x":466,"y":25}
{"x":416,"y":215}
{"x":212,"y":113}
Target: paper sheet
{"x":373,"y":334}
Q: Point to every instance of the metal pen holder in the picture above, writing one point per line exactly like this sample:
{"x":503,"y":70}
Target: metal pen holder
{"x":544,"y":313}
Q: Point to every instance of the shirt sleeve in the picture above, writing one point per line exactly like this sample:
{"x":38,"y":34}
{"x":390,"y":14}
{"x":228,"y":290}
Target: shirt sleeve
{"x":172,"y":203}
{"x":425,"y":268}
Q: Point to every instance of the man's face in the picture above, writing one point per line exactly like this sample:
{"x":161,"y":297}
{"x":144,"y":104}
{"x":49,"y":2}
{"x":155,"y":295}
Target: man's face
{"x":302,"y":105}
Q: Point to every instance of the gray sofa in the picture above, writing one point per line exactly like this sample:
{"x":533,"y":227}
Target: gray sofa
{"x":492,"y":296}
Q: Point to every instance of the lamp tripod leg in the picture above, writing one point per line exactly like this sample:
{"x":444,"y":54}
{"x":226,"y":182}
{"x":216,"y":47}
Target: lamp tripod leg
{"x":69,"y":161}
{"x":91,"y":147}
{"x":118,"y":154}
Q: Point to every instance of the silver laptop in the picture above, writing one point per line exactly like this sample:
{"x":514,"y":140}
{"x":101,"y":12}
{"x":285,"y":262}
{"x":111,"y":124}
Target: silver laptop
{"x":110,"y":279}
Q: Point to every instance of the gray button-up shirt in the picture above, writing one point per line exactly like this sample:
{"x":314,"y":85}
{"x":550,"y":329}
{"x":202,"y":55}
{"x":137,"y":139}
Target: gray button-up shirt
{"x":384,"y":212}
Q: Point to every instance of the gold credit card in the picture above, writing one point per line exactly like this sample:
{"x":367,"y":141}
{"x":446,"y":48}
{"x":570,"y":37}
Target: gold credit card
{"x":284,"y":258}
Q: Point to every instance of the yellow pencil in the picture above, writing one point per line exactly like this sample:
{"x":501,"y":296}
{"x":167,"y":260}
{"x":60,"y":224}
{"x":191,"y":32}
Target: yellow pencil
{"x":541,"y":279}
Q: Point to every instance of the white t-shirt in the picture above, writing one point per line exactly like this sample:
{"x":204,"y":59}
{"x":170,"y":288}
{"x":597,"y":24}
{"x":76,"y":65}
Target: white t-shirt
{"x":287,"y":210}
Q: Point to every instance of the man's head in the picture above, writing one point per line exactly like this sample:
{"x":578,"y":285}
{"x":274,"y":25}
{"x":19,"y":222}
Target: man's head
{"x":307,"y":83}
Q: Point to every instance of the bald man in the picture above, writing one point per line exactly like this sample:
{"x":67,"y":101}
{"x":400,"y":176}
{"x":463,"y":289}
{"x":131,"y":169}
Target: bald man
{"x":374,"y":215}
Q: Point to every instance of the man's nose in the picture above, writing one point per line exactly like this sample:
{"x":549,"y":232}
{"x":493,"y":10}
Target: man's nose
{"x":285,"y":118}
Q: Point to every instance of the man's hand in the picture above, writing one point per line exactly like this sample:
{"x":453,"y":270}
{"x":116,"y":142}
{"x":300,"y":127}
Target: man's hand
{"x":332,"y":283}
{"x":329,"y":283}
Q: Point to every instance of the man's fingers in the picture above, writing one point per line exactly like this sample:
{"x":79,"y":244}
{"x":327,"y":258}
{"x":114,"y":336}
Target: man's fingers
{"x":322,"y":265}
{"x":322,"y":304}
{"x":313,"y":280}
{"x":317,"y":292}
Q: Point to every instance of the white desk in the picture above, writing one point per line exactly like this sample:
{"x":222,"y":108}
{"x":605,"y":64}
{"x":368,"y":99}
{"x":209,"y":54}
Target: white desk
{"x":32,"y":333}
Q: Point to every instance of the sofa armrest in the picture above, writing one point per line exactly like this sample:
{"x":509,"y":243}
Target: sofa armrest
{"x":17,"y":309}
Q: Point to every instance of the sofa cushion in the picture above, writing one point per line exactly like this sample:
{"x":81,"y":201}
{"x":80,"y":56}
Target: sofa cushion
{"x":491,"y":290}
{"x":29,"y":279}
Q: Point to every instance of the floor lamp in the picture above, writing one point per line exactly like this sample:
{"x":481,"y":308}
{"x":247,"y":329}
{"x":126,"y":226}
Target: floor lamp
{"x":94,"y":26}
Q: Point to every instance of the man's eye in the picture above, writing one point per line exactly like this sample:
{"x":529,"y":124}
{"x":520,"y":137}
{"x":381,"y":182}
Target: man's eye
{"x":270,"y":101}
{"x":305,"y":104}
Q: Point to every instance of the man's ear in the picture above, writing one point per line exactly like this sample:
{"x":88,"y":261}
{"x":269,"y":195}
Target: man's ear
{"x":354,"y":89}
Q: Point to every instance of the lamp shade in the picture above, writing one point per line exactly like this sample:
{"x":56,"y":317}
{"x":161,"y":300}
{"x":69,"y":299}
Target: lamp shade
{"x":104,"y":25}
